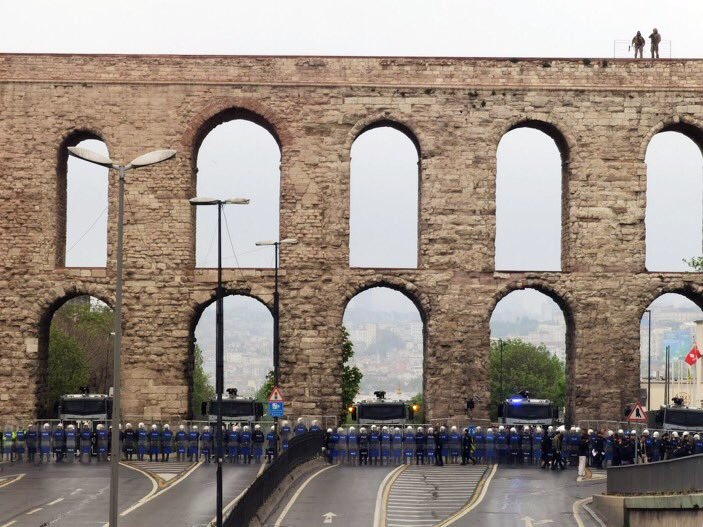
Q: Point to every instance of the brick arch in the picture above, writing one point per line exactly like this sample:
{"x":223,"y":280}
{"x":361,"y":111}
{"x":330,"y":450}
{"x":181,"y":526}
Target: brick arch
{"x":688,"y":126}
{"x":685,"y":289}
{"x":47,"y":309}
{"x":382,"y":120}
{"x":407,"y":288}
{"x":556,"y":131}
{"x":565,"y":303}
{"x":71,"y":138}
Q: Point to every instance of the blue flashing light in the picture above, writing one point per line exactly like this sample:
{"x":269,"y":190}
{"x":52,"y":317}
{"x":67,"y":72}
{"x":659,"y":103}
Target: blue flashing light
{"x":516,"y":401}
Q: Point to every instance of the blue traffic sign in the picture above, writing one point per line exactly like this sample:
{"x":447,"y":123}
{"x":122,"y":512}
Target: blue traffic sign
{"x":276,"y":409}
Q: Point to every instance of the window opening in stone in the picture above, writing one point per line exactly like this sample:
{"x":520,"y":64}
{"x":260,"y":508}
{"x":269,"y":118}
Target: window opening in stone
{"x":529,"y":328}
{"x":86,"y":209}
{"x":674,"y":213}
{"x":238,"y":159}
{"x":248,"y":351}
{"x":528,"y":202}
{"x":384,"y":193}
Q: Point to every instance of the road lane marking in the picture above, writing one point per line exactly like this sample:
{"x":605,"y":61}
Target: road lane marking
{"x":577,"y":516}
{"x":476,"y":499}
{"x":10,"y":481}
{"x":75,"y":492}
{"x":8,"y":523}
{"x":379,"y":515}
{"x":58,"y":500}
{"x":595,"y":517}
{"x":35,"y":510}
{"x":297,"y":494}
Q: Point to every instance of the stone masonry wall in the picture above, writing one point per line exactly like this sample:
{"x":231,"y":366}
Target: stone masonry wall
{"x":602,"y":112}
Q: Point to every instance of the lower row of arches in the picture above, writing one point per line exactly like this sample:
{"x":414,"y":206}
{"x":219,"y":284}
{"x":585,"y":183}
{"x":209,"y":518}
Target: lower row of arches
{"x":530,"y":347}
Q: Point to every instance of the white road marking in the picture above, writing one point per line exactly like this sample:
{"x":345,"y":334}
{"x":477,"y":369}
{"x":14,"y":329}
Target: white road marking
{"x":379,"y":512}
{"x":9,"y":523}
{"x":328,"y":517}
{"x":75,"y":492}
{"x":594,"y":515}
{"x":476,"y":503}
{"x":58,"y":500}
{"x":577,"y":516}
{"x":297,"y":494}
{"x":531,"y":522}
{"x":10,"y":481}
{"x":35,"y":510}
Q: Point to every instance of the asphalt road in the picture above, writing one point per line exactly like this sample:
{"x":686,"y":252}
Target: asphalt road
{"x":347,"y":492}
{"x":65,"y":494}
{"x":191,"y":502}
{"x":526,"y":497}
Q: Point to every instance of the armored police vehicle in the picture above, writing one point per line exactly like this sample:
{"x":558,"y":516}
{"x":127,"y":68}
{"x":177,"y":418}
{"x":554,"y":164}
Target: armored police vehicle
{"x":77,"y":408}
{"x":234,"y":409}
{"x":382,"y":412}
{"x":679,"y":417}
{"x":521,"y":410}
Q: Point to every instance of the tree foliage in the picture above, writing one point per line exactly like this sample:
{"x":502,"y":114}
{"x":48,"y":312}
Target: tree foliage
{"x":351,"y":375}
{"x":525,"y":367}
{"x":419,"y":416}
{"x":203,"y":390}
{"x":695,"y":263}
{"x":264,"y":392}
{"x":68,"y":368}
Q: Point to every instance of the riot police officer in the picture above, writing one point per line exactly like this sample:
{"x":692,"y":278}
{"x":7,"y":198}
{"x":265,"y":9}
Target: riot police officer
{"x":502,"y":445}
{"x":181,"y":443}
{"x":271,"y":444}
{"x":59,"y":442}
{"x":206,"y":444}
{"x":315,"y":426}
{"x":130,"y":441}
{"x":286,"y":433}
{"x":374,"y":445}
{"x":545,"y":447}
{"x":85,"y":448}
{"x":32,"y":440}
{"x":430,"y":446}
{"x":490,"y":448}
{"x":342,"y":447}
{"x":455,"y":444}
{"x":8,"y":443}
{"x":71,"y":443}
{"x":257,"y":438}
{"x":20,"y":444}
{"x":609,"y":440}
{"x":420,"y":444}
{"x":514,"y":446}
{"x":142,"y":440}
{"x":166,"y":442}
{"x":334,"y":443}
{"x":245,"y":444}
{"x":385,"y":446}
{"x":102,"y":439}
{"x":409,"y":445}
{"x":328,"y":445}
{"x":537,"y":436}
{"x":353,"y":445}
{"x":467,"y":447}
{"x":479,"y":438}
{"x":193,"y":438}
{"x":300,"y":427}
{"x":444,"y":438}
{"x":233,"y":444}
{"x":397,"y":445}
{"x":697,"y":444}
{"x":656,"y":447}
{"x":45,"y":443}
{"x":154,"y":440}
{"x":438,"y":447}
{"x":526,"y":446}
{"x":363,"y":442}
{"x":647,"y":446}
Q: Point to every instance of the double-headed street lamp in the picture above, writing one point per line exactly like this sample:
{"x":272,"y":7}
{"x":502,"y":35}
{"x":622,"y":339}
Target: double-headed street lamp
{"x":157,"y":156}
{"x":276,"y":339}
{"x":219,"y":335}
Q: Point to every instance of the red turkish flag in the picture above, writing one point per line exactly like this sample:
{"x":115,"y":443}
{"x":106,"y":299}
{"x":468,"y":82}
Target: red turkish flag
{"x":693,"y":355}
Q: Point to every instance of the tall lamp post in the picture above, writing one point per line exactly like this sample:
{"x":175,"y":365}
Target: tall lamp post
{"x":219,"y":335}
{"x":157,"y":156}
{"x":276,"y":338}
{"x":500,"y":347}
{"x":649,"y":358}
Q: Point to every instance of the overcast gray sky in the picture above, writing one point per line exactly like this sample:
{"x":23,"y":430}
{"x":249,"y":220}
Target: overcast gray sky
{"x":527,"y":183}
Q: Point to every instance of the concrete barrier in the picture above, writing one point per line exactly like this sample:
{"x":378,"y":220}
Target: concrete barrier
{"x":650,"y":511}
{"x":661,"y":477}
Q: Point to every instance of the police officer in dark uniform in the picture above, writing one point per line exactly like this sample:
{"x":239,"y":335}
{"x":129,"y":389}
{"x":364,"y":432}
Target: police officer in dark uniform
{"x":166,"y":442}
{"x":102,"y":440}
{"x":59,"y":442}
{"x":363,"y":442}
{"x":438,"y":445}
{"x":71,"y":443}
{"x":181,"y":441}
{"x":420,"y":445}
{"x":271,"y":444}
{"x":154,"y":440}
{"x":32,"y":443}
{"x":257,"y":438}
{"x":130,"y":441}
{"x":467,"y":443}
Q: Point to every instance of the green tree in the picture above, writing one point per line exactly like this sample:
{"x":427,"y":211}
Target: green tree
{"x":264,"y":392}
{"x":695,"y":263}
{"x":68,"y":367}
{"x":419,"y":416}
{"x":525,"y":367}
{"x":351,"y":375}
{"x":203,"y":390}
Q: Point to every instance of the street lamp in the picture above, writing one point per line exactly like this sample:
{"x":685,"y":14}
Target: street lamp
{"x":500,"y":346}
{"x":151,"y":158}
{"x":649,"y":357}
{"x":276,"y":245}
{"x":219,"y":335}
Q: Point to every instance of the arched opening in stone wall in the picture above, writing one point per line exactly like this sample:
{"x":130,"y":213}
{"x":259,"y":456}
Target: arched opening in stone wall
{"x":531,"y":349}
{"x":530,"y":189}
{"x":386,"y":328}
{"x":669,"y":323}
{"x":674,"y":213}
{"x":384,"y":198}
{"x":238,"y":156}
{"x":248,"y":350}
{"x":82,"y":193}
{"x":75,"y":350}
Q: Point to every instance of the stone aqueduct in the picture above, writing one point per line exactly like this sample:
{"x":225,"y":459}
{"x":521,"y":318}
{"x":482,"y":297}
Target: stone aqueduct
{"x":601,"y":113}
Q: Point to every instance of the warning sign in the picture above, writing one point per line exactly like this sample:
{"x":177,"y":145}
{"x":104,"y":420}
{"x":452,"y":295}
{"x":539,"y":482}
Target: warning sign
{"x":276,"y":395}
{"x":637,"y":414}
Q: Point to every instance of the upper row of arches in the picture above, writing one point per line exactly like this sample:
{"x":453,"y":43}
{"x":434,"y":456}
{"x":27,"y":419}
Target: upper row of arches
{"x":238,"y":154}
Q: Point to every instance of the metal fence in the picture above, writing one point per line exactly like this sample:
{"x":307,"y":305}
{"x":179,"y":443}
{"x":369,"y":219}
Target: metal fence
{"x":300,"y":449}
{"x":661,"y":477}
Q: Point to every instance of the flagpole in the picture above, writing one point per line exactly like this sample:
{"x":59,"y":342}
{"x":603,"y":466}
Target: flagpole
{"x":699,"y":375}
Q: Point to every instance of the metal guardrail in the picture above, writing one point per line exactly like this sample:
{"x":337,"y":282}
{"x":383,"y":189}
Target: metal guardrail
{"x":660,"y":477}
{"x":300,"y":449}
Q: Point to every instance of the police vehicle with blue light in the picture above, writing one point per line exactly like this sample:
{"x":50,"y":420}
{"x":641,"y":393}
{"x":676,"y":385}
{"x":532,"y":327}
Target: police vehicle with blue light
{"x":519,"y":410}
{"x":382,"y":412}
{"x":234,"y":409}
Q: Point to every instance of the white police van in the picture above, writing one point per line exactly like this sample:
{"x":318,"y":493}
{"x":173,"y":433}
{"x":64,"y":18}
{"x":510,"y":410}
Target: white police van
{"x":519,"y":410}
